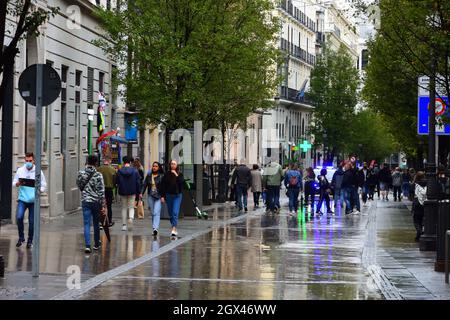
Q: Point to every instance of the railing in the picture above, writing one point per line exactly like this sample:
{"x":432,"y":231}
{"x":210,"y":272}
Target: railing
{"x":297,"y":52}
{"x":297,"y":14}
{"x":293,"y":95}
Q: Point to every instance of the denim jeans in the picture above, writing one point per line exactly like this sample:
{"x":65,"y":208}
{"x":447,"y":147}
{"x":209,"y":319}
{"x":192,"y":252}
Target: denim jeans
{"x":154,"y":206}
{"x":21,"y":207}
{"x":292,"y":194}
{"x":347,"y":198}
{"x":397,"y":192}
{"x":256,"y":198}
{"x":91,"y":210}
{"x":405,"y":189}
{"x":241,"y":192}
{"x":355,"y":197}
{"x":273,"y":197}
{"x":173,"y":205}
{"x":339,"y":195}
{"x":365,"y":192}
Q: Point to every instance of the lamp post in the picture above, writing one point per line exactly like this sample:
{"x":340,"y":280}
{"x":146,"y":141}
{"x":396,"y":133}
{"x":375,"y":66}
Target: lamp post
{"x":325,"y":155}
{"x":428,"y":240}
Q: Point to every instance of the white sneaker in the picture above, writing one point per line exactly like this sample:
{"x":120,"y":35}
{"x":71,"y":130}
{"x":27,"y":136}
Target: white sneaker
{"x":124,"y":227}
{"x":356,"y":212}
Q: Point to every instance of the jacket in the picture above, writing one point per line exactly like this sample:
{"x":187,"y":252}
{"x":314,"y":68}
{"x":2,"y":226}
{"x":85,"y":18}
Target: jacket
{"x":397,"y":179}
{"x":109,"y":176}
{"x":371,"y":178}
{"x":94,"y":190}
{"x":273,"y":175}
{"x":148,"y":183}
{"x":338,"y":177}
{"x":385,"y":175}
{"x":293,"y":173}
{"x":256,"y":181}
{"x":27,"y":194}
{"x":362,"y":177}
{"x":324,"y":184}
{"x":172,"y":184}
{"x":128,"y":181}
{"x":421,"y":192}
{"x":242,"y":176}
{"x":350,"y":179}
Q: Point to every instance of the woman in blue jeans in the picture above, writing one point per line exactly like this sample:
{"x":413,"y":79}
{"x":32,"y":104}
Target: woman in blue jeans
{"x":152,"y":182}
{"x":171,"y":193}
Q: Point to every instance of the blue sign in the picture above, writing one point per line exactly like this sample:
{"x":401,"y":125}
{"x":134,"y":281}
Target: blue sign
{"x":422,"y":123}
{"x":131,"y":128}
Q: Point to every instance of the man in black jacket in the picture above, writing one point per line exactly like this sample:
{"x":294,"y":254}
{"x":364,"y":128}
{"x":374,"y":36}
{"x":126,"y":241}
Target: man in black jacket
{"x":243,"y":178}
{"x":385,"y":178}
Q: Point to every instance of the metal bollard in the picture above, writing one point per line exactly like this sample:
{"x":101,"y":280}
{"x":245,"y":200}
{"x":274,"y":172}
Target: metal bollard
{"x":2,"y":267}
{"x":447,"y":242}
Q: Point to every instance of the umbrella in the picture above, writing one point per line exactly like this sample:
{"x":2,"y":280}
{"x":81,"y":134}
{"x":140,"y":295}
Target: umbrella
{"x":106,"y":135}
{"x":105,"y":224}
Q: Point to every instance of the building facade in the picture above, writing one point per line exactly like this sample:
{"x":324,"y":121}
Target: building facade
{"x":85,"y":70}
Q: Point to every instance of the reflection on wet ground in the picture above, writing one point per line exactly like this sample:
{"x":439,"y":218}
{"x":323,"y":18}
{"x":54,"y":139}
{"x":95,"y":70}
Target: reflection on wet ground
{"x":264,"y":257}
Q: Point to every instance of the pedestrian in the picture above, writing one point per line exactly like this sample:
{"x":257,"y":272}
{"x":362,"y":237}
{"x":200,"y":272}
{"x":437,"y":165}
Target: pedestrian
{"x":242,"y":179}
{"x":325,"y":191}
{"x":405,"y":183}
{"x":310,"y":190}
{"x":385,"y":178}
{"x":363,"y":183}
{"x":24,"y":179}
{"x":420,"y":196}
{"x":412,"y":177}
{"x":129,"y":188}
{"x":293,"y":183}
{"x":376,"y":171}
{"x":256,"y":184}
{"x":350,"y":187}
{"x":152,"y":183}
{"x":371,"y":182}
{"x":138,"y":166}
{"x":109,"y":179}
{"x":90,"y":182}
{"x":272,"y":179}
{"x":397,"y":182}
{"x":443,"y":183}
{"x":232,"y":187}
{"x":172,"y":186}
{"x":336,"y":186}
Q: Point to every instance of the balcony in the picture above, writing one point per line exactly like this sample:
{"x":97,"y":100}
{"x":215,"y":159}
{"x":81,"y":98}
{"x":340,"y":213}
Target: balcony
{"x":293,"y":95}
{"x":297,"y":52}
{"x":297,"y":14}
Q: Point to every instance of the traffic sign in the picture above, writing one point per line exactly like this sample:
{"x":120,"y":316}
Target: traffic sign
{"x":51,"y":84}
{"x":441,"y":111}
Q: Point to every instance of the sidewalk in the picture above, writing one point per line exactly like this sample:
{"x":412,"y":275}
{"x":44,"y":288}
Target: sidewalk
{"x":410,"y":270}
{"x":62,"y":245}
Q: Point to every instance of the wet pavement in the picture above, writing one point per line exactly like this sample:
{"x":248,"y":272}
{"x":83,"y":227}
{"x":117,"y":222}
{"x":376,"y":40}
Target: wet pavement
{"x":234,"y":256}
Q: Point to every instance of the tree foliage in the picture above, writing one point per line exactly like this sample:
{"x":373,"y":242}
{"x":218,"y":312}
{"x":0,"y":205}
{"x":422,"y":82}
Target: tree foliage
{"x":333,"y":90}
{"x":27,"y":20}
{"x":190,"y":60}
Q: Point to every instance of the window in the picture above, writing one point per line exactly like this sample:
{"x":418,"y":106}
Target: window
{"x":101,"y":82}
{"x":78,"y":74}
{"x":365,"y":58}
{"x":108,"y":4}
{"x":90,"y":86}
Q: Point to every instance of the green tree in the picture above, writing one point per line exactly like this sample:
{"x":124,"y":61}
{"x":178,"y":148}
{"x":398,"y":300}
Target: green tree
{"x":334,"y":84}
{"x":194,"y":60}
{"x":370,"y":137}
{"x":27,"y":22}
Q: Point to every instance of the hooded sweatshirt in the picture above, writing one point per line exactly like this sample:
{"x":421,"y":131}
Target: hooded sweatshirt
{"x":27,"y":194}
{"x":128,"y":181}
{"x":337,"y":179}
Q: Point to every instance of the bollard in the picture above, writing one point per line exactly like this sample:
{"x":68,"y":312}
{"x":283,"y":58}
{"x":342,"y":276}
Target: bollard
{"x":447,"y":242}
{"x":2,"y":267}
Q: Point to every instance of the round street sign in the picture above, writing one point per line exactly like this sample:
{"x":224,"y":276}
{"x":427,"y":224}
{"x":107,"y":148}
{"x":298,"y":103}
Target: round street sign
{"x":51,"y":84}
{"x":440,"y":107}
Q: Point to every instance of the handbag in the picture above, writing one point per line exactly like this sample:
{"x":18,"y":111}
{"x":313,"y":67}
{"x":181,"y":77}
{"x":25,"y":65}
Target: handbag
{"x":155,"y":194}
{"x":140,"y":209}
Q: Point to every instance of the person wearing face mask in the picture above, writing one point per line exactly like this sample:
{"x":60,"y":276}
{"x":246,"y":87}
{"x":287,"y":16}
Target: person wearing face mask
{"x":24,"y":180}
